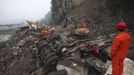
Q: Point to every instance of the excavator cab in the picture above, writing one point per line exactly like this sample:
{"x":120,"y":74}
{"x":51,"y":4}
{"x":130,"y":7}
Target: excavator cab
{"x":46,"y":31}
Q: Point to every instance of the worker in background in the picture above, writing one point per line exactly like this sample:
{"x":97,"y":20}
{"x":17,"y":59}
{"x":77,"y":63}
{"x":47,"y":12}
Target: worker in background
{"x":95,"y":48}
{"x":119,"y":49}
{"x":84,"y":26}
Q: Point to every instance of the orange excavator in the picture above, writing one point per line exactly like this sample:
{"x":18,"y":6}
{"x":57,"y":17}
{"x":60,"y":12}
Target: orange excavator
{"x":46,"y":31}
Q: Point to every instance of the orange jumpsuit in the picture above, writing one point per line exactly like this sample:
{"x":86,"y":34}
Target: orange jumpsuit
{"x":84,"y":24}
{"x":119,"y":51}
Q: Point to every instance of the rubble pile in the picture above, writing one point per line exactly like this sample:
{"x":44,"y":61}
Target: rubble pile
{"x":15,"y":54}
{"x":18,"y":55}
{"x":62,"y":52}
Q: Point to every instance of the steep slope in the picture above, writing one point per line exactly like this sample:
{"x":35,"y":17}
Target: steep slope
{"x":104,"y":12}
{"x":89,"y":8}
{"x":95,"y":9}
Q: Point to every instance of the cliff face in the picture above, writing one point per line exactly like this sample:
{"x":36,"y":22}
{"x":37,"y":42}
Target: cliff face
{"x":103,"y":11}
{"x":61,"y":8}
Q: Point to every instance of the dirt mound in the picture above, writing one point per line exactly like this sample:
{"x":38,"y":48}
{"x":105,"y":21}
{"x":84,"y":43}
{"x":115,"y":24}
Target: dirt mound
{"x":16,"y":54}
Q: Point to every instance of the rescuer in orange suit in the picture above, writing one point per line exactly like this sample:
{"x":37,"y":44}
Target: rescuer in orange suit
{"x":84,"y":24}
{"x":119,"y":49}
{"x":84,"y":27}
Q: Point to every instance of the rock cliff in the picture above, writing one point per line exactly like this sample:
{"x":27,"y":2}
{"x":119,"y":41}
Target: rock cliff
{"x":61,"y":8}
{"x":98,"y":10}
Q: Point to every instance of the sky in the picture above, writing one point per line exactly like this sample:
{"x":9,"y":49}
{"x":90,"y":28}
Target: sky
{"x":13,"y":11}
